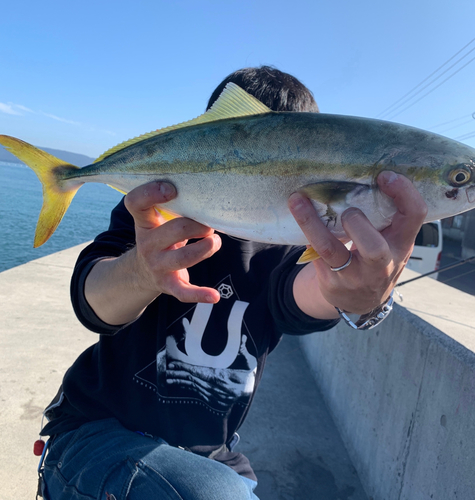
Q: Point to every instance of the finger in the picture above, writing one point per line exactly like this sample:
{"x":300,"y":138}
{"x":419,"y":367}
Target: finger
{"x":183,"y":369}
{"x":191,"y":254}
{"x":186,"y":382}
{"x":180,"y":229}
{"x":411,"y":209}
{"x":202,"y":390}
{"x":200,"y":379}
{"x":188,"y":293}
{"x":369,"y":242}
{"x":331,"y":250}
{"x":141,"y":200}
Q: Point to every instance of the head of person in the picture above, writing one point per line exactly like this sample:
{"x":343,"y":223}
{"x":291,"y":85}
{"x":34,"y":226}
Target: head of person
{"x":277,"y":90}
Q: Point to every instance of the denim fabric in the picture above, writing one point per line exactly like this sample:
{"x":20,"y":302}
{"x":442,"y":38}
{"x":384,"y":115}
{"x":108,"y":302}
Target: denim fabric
{"x":104,"y":461}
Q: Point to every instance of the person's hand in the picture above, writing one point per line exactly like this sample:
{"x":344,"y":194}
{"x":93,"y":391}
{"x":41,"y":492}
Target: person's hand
{"x":161,"y":253}
{"x":378,"y":257}
{"x":120,"y":288}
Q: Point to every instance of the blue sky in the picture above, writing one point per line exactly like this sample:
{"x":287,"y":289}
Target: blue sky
{"x":87,"y":75}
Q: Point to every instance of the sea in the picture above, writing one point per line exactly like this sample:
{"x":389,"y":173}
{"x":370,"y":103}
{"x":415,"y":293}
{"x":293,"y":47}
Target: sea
{"x":20,"y":204}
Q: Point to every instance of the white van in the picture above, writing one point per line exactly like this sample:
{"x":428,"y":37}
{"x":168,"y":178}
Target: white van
{"x":427,"y":249}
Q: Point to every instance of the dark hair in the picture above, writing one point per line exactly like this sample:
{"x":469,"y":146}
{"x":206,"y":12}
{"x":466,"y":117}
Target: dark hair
{"x":277,"y":90}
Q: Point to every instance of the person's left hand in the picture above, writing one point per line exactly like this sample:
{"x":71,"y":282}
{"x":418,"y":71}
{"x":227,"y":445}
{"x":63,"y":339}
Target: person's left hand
{"x":378,"y":257}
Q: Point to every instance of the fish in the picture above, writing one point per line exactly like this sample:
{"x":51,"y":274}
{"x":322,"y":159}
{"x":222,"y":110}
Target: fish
{"x":235,"y":166}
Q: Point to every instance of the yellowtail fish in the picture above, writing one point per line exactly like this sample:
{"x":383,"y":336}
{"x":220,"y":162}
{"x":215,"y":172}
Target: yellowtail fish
{"x":235,"y":167}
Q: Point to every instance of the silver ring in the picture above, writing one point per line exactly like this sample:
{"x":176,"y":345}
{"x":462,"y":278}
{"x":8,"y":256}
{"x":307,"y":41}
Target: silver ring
{"x":346,"y":264}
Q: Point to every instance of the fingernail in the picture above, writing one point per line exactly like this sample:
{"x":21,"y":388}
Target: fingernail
{"x":217,"y":240}
{"x":351,"y":213}
{"x":295,"y":201}
{"x":210,"y":299}
{"x":388,"y":176}
{"x":166,"y":189}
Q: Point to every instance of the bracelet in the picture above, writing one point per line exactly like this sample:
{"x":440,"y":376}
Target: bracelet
{"x":371,"y":319}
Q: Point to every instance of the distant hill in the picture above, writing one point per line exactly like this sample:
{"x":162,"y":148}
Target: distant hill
{"x":73,"y":158}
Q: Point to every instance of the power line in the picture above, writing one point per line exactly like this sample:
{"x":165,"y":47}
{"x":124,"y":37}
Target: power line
{"x":457,"y":126}
{"x":432,"y":90}
{"x":452,"y":121}
{"x":397,"y":105}
{"x":466,"y":136}
{"x":431,"y":82}
{"x":470,"y":120}
{"x":427,"y":78}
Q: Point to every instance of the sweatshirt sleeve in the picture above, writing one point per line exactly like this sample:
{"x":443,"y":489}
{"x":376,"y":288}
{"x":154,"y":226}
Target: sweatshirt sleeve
{"x":119,"y":238}
{"x":288,"y":317}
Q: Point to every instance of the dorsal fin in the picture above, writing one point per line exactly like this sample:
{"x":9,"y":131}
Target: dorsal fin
{"x":232,"y":103}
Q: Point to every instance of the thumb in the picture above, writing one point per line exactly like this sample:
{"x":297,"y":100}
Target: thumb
{"x":141,"y":201}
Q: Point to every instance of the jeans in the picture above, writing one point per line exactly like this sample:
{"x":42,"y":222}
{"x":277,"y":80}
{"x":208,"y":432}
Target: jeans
{"x":104,"y":461}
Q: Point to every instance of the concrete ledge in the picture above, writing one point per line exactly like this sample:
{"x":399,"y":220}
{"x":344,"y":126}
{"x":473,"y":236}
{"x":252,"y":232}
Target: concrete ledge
{"x":289,"y":436}
{"x":403,"y":395}
{"x":39,"y":339}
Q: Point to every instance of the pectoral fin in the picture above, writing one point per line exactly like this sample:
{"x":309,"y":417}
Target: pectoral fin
{"x":332,"y":198}
{"x":328,"y":192}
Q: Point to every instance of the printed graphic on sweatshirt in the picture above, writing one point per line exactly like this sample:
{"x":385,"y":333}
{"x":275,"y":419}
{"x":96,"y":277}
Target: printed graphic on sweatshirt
{"x":209,"y":357}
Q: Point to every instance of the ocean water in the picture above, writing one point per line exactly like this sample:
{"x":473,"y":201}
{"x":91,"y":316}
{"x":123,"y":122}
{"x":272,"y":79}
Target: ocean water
{"x":20,"y":204}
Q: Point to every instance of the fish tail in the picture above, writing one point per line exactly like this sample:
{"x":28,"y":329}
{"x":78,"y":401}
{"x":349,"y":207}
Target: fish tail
{"x":58,"y":192}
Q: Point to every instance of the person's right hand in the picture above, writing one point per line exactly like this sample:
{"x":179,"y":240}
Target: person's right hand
{"x":119,"y":289}
{"x":161,"y":252}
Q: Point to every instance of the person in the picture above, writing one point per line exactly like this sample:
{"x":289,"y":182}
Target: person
{"x":187,"y":317}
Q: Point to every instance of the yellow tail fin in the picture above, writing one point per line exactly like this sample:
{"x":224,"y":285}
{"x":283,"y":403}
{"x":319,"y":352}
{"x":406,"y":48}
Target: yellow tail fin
{"x":51,"y":171}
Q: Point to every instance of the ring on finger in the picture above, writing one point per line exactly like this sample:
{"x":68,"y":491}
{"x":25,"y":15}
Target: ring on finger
{"x":345,"y":265}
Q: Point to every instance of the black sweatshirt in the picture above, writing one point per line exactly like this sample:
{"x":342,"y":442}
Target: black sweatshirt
{"x":184,"y":372}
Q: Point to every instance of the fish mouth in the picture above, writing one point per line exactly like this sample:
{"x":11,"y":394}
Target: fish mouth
{"x":471,"y":194}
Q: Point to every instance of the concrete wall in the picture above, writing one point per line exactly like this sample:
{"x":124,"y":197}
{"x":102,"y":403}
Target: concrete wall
{"x":403,"y":395}
{"x":453,"y":233}
{"x":468,"y":241}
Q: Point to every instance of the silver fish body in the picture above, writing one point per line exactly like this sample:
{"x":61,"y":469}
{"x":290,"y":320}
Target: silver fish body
{"x":236,"y":175}
{"x":235,"y":167}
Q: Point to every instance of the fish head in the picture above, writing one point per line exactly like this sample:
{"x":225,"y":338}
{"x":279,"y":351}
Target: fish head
{"x":441,"y":169}
{"x":451,"y":191}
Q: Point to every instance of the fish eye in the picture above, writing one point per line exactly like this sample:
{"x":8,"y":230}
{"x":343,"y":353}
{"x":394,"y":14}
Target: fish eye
{"x":459,"y":176}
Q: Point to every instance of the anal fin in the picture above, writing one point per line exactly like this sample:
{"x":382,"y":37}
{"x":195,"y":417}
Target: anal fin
{"x":165,"y":214}
{"x":308,"y":256}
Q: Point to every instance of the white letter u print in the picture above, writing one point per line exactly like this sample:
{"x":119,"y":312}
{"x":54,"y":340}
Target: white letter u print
{"x":196,"y":329}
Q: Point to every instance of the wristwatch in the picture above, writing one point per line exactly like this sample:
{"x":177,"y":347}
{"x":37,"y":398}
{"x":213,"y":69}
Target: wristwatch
{"x":371,"y":319}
